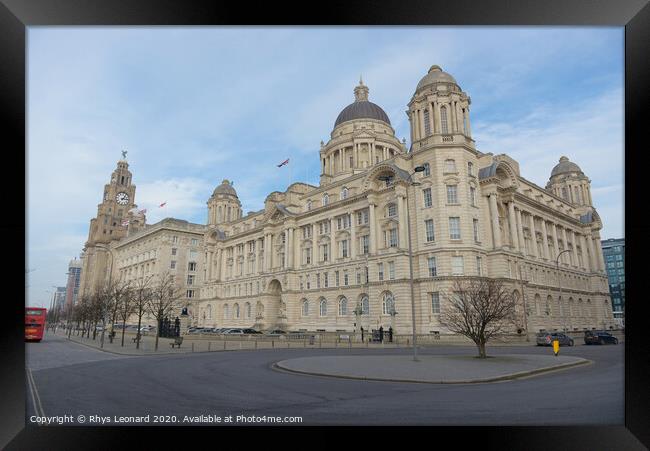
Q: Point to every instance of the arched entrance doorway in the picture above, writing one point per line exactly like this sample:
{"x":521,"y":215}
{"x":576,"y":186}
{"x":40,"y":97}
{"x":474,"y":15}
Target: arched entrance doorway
{"x":271,"y":311}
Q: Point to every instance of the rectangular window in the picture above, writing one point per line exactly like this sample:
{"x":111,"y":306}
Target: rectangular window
{"x":326,"y":252}
{"x":365,"y":244}
{"x":452,"y":194}
{"x":326,"y":279}
{"x":427,"y":123}
{"x":380,"y":271}
{"x":433,"y":271}
{"x":362,"y":217}
{"x":392,"y":210}
{"x":191,"y":266}
{"x":470,"y":168}
{"x":317,"y":280}
{"x":435,"y":302}
{"x":195,"y":242}
{"x":173,"y":264}
{"x":457,"y":266}
{"x":479,"y":266}
{"x":427,"y":197}
{"x":472,"y":196}
{"x":450,"y":166}
{"x":428,"y":225}
{"x":301,"y":284}
{"x":308,"y":256}
{"x":454,"y":228}
{"x":476,"y":235}
{"x":392,"y":238}
{"x":346,"y":279}
{"x":336,"y":278}
{"x":391,"y":270}
{"x":173,"y":251}
{"x":358,"y":278}
{"x":193,"y":255}
{"x":190,"y":293}
{"x":344,"y":248}
{"x":190,"y":280}
{"x":308,"y":282}
{"x":175,"y":239}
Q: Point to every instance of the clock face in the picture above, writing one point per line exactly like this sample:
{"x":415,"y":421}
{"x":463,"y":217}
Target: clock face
{"x":122,"y":198}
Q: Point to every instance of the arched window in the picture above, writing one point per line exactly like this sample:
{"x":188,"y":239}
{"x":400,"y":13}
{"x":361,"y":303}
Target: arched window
{"x":365,"y":305}
{"x":388,"y":303}
{"x":443,"y":120}
{"x":343,"y":306}
{"x":323,"y":307}
{"x":247,"y":310}
{"x":344,"y":193}
{"x":427,"y":169}
{"x":305,"y":307}
{"x":235,"y":311}
{"x":427,"y":123}
{"x":326,"y":199}
{"x":226,"y":311}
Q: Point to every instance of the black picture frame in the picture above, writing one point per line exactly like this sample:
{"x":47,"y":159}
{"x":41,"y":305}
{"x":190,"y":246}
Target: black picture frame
{"x":634,"y":15}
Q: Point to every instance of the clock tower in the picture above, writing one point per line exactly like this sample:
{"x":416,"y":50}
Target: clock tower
{"x":118,"y":199}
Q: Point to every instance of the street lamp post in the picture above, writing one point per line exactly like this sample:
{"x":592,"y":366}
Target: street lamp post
{"x":559,"y":282}
{"x":408,"y":226}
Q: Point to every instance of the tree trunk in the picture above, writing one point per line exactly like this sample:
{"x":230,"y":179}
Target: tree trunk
{"x":123,"y":330}
{"x":157,"y":335}
{"x":137,"y":333}
{"x":481,"y":350}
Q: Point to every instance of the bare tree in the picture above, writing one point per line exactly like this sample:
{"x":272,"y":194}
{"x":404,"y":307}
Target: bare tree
{"x":164,"y":299}
{"x":140,"y":296}
{"x":480,"y":309}
{"x":125,"y":304}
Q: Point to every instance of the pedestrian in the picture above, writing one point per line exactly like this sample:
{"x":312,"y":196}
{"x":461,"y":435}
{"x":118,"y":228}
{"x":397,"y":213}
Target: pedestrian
{"x":381,"y":334}
{"x":361,"y":334}
{"x":390,"y":334}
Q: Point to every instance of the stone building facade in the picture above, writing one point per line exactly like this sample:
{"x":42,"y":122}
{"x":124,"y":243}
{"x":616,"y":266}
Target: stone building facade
{"x":335,"y":257}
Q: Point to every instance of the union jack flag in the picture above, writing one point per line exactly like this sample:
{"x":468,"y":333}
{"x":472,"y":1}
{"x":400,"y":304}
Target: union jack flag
{"x":283,"y":163}
{"x":125,"y":222}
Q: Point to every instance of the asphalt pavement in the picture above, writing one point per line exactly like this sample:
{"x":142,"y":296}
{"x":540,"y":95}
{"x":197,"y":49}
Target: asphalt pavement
{"x":70,"y":379}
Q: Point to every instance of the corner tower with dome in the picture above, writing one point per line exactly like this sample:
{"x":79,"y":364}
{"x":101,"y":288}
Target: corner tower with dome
{"x":335,"y":257}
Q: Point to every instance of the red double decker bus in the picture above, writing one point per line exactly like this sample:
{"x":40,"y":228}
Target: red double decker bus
{"x":34,"y":323}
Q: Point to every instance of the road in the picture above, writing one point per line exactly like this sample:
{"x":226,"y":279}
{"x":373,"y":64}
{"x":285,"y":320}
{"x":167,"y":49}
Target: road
{"x":72,"y":379}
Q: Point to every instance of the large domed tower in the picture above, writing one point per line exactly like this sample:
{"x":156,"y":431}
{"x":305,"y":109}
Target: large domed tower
{"x":570,"y":183}
{"x":223,"y":205}
{"x":362,"y":137}
{"x":439,"y":111}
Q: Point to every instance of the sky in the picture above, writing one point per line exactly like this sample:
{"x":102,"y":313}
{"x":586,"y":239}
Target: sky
{"x":195,"y":105}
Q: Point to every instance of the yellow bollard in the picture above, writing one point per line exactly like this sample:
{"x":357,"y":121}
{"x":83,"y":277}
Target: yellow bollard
{"x":556,"y":347}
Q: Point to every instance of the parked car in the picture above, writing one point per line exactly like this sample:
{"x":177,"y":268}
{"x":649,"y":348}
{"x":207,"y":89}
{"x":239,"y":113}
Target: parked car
{"x":251,"y":331}
{"x":234,"y":332}
{"x":276,"y":332}
{"x":547,"y":338}
{"x":599,"y":337}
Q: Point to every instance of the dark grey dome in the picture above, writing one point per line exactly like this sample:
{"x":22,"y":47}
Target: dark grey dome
{"x":225,"y":188}
{"x":362,"y":109}
{"x":435,"y":75}
{"x":565,"y":166}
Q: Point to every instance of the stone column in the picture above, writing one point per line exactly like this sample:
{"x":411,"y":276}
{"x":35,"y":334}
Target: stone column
{"x":401,"y":211}
{"x":373,"y":231}
{"x":566,"y":245}
{"x":592,"y":256}
{"x":333,"y":247}
{"x":599,"y":254}
{"x":494,"y":215}
{"x":520,"y":231}
{"x":459,"y":119}
{"x":430,"y":108}
{"x":224,"y":257}
{"x":353,"y":236}
{"x":436,"y":108}
{"x":576,"y":261}
{"x":421,"y":118}
{"x":547,"y":255}
{"x":288,"y":253}
{"x":555,"y":243}
{"x":209,"y":263}
{"x":533,"y":235}
{"x":245,"y":269}
{"x":512,"y":223}
{"x":469,"y":131}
